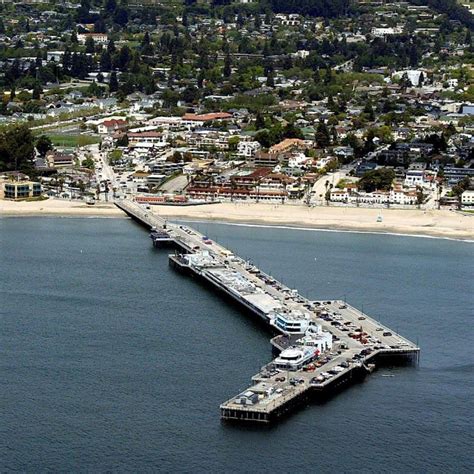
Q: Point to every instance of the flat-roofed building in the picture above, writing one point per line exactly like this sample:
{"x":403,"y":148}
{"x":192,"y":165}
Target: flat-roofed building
{"x":467,"y":198}
{"x":59,"y":160}
{"x":21,"y":190}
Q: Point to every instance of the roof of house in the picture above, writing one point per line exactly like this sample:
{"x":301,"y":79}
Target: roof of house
{"x":286,"y":144}
{"x":207,"y":117}
{"x":113,"y":123}
{"x":148,"y":134}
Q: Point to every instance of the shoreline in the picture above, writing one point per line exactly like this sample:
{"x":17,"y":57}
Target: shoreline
{"x":57,"y":208}
{"x":414,"y":223}
{"x":265,"y":225}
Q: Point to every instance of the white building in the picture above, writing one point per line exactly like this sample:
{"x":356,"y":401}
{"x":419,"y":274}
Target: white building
{"x":467,"y":198}
{"x":412,"y":75}
{"x":248,"y":149}
{"x":414,"y":178}
{"x":155,"y":179}
{"x":395,"y":196}
{"x":298,"y":160}
{"x":387,"y":31}
{"x":301,"y":53}
{"x":153,"y":137}
{"x":99,"y":38}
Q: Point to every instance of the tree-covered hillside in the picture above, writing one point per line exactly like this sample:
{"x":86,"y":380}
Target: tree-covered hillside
{"x":452,"y":8}
{"x":323,"y":8}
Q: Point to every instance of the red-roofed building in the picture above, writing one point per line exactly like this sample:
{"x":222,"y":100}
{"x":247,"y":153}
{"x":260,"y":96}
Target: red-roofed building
{"x":112,"y":126}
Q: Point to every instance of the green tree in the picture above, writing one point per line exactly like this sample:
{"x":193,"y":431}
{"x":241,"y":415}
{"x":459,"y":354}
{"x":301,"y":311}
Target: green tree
{"x":111,"y":46}
{"x":123,"y":140}
{"x":88,"y":163}
{"x":259,"y":121}
{"x":420,"y":196}
{"x":379,"y":179}
{"x":227,"y":66}
{"x":90,"y":45}
{"x":113,"y":82}
{"x":322,"y":135}
{"x":146,"y":46}
{"x":43,"y":144}
{"x":16,"y":148}
{"x":105,"y":61}
{"x":37,"y":91}
{"x":110,"y":6}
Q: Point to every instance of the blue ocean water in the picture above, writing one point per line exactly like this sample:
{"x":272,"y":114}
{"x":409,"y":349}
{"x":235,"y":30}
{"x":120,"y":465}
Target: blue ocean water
{"x":111,"y":361}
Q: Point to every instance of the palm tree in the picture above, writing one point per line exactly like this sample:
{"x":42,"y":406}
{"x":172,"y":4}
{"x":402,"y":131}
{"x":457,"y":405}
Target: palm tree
{"x":419,"y":196}
{"x":388,"y":200}
{"x":81,"y":186}
{"x":259,"y":179}
{"x":308,"y":193}
{"x":439,"y":189}
{"x":328,"y":193}
{"x":60,"y":184}
{"x":233,"y":186}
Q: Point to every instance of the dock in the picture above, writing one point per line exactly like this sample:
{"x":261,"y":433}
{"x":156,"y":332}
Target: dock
{"x":320,"y":346}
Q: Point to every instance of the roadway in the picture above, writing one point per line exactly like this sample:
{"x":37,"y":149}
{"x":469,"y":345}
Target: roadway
{"x":318,"y":193}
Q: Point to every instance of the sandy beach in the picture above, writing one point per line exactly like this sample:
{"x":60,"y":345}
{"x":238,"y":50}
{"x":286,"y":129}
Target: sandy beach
{"x":442,"y":223}
{"x":58,"y":207}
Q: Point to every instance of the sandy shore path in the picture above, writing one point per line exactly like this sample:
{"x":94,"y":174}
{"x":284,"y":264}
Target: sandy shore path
{"x":57,"y":207}
{"x":435,"y":223}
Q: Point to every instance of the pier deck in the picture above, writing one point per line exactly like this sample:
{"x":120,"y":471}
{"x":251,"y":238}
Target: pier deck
{"x":359,"y":342}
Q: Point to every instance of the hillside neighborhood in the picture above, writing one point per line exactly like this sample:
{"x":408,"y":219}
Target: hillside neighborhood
{"x":205,"y":102}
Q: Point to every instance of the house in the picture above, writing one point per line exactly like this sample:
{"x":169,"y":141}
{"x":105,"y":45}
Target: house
{"x":99,"y":38}
{"x":414,"y":177}
{"x":155,"y":138}
{"x":203,"y":118}
{"x":59,"y":160}
{"x":288,"y":144}
{"x":111,"y":126}
{"x":247,"y":149}
{"x":166,"y":168}
{"x":55,"y":56}
{"x":262,"y":159}
{"x":387,"y":31}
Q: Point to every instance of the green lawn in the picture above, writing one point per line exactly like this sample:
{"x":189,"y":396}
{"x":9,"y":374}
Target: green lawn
{"x":72,"y":141}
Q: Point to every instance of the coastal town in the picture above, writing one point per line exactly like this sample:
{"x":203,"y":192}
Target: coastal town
{"x":368,"y":107}
{"x":227,"y":224}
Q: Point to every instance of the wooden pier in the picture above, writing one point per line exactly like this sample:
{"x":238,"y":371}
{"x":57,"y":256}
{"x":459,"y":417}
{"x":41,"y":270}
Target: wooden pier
{"x":359,"y":342}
